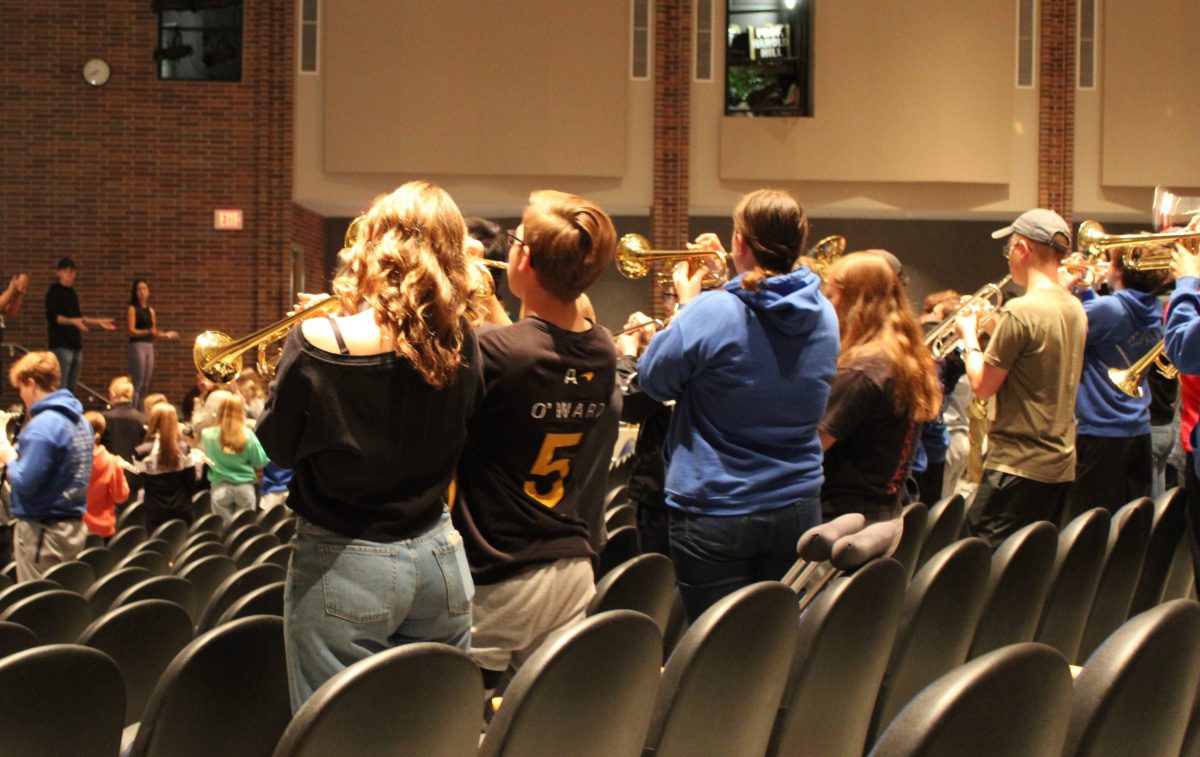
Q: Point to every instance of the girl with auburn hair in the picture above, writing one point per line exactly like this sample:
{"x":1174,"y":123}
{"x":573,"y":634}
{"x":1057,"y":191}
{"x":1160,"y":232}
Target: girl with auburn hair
{"x":370,"y":410}
{"x":886,"y":384}
{"x":168,"y":474}
{"x":235,"y":457}
{"x":749,"y":366}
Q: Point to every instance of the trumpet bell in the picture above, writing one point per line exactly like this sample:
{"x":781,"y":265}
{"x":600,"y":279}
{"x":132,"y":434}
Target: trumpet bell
{"x":629,"y":248}
{"x":208,"y":355}
{"x":1173,"y":209}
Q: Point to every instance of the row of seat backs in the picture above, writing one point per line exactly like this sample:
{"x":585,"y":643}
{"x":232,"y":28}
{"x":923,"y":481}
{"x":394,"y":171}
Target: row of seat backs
{"x":1135,"y":696}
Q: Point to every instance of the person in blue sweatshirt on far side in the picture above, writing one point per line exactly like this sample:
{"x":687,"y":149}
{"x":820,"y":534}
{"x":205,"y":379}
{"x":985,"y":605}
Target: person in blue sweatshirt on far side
{"x":49,"y":469}
{"x":749,"y":366}
{"x":1112,"y":438}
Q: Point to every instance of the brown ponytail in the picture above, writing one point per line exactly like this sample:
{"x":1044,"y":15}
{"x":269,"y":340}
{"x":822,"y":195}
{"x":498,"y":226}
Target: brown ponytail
{"x":775,"y":228}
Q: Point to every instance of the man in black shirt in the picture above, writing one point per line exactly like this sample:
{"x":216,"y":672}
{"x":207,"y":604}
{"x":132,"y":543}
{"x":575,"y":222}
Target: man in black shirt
{"x":65,"y":323}
{"x":523,"y":506}
{"x":125,"y":427}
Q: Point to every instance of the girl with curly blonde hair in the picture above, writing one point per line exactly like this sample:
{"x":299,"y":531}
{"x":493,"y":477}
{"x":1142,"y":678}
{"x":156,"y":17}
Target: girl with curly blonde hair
{"x":370,"y":409}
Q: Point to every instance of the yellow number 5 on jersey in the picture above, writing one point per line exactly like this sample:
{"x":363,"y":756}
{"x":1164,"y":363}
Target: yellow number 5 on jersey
{"x":546,"y":465}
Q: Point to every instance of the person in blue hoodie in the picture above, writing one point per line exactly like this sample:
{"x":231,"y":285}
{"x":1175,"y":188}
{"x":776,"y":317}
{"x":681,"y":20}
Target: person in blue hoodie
{"x":1112,"y":438}
{"x":749,"y":367}
{"x":48,"y":470}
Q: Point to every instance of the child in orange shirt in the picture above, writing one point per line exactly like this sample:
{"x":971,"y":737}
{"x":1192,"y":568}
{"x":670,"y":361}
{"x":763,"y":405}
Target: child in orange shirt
{"x":107,"y":486}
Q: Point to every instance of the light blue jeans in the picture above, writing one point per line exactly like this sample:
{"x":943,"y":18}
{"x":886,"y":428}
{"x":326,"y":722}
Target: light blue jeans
{"x":228,"y":499}
{"x":347,"y":599}
{"x":70,"y":363}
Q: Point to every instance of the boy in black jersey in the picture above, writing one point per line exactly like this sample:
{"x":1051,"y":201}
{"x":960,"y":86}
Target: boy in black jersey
{"x":530,"y":528}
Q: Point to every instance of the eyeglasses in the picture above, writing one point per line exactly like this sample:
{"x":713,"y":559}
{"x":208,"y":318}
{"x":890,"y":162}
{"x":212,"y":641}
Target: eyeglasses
{"x":1008,"y":247}
{"x":512,"y":235}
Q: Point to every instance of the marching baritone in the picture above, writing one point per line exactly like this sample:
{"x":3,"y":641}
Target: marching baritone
{"x":1032,"y":366}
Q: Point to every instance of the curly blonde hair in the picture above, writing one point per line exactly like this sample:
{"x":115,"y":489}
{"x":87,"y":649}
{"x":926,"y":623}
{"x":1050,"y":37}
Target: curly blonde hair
{"x":873,"y":313}
{"x":407,"y":263}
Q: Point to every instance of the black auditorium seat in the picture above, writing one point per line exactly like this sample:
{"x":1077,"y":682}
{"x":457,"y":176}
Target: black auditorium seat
{"x":102,"y":594}
{"x":195,"y":553}
{"x":61,"y":699}
{"x":19,"y":591}
{"x":280,"y":556}
{"x":202,"y":508}
{"x":100,"y":558}
{"x":206,"y":573}
{"x":265,"y":600}
{"x":284,"y":529}
{"x":913,"y":519}
{"x":270,"y":516}
{"x":133,"y":514}
{"x":123,"y":541}
{"x":845,"y":638}
{"x":941,"y":608}
{"x":249,"y":550}
{"x":588,"y":692}
{"x":1017,"y":586}
{"x":73,"y":575}
{"x":161,"y":546}
{"x":224,"y":694}
{"x":168,"y":588}
{"x":150,"y":559}
{"x":945,"y":522}
{"x":1124,"y":555}
{"x":142,"y":638}
{"x":174,"y":533}
{"x":1011,"y":702}
{"x":622,"y":545}
{"x":56,"y":616}
{"x":1135,"y":693}
{"x":1165,"y":535}
{"x":210,"y":522}
{"x":645,"y":584}
{"x":621,"y":515}
{"x":240,"y":535}
{"x":236,"y":586}
{"x":239,"y":519}
{"x":734,"y":660}
{"x":432,"y":694}
{"x":1078,"y":561}
{"x":14,"y":638}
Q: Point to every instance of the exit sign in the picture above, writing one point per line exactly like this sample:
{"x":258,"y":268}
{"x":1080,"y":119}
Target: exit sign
{"x":227,"y":220}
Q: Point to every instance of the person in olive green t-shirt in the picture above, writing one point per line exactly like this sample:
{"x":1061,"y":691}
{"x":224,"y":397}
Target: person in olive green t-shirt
{"x":1032,"y":366}
{"x":235,"y":457}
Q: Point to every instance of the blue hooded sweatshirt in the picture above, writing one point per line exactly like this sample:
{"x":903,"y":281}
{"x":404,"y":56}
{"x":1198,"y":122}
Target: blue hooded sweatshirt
{"x":50,"y":477}
{"x":1122,"y":327}
{"x":750,"y":373}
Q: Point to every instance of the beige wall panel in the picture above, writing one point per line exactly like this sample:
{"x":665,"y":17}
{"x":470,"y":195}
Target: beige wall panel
{"x":476,"y":87}
{"x":1150,"y":113}
{"x":919,"y":91}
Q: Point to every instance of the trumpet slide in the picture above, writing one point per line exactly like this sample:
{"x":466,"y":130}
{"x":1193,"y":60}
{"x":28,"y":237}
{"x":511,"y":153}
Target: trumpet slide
{"x":943,"y":339}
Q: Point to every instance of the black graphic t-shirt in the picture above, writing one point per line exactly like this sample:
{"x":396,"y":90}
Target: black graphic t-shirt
{"x":521,"y":498}
{"x":866,"y":467}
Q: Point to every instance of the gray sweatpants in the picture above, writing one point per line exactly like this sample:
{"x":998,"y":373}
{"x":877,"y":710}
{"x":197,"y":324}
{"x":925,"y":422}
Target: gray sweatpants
{"x":37,"y":547}
{"x":513,"y":618}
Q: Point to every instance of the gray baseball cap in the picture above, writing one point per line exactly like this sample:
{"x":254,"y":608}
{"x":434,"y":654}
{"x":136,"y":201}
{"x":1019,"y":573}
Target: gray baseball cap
{"x":1040,"y":225}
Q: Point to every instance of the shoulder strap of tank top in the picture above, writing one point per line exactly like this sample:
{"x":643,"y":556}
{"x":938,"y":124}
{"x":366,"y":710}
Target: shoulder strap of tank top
{"x":337,"y":334}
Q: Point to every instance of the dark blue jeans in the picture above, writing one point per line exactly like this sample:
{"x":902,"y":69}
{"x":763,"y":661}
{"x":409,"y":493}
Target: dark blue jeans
{"x":717,"y":555}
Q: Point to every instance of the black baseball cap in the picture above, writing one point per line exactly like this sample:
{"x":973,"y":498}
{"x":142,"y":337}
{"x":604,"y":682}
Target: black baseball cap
{"x":64,"y":262}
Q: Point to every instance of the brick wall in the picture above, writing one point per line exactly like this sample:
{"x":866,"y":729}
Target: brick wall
{"x":308,"y":233}
{"x":125,"y":177}
{"x":672,"y":117}
{"x":1056,"y":106}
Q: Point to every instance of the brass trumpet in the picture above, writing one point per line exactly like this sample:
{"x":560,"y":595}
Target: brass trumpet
{"x":1129,"y":380}
{"x":634,"y":259}
{"x":219,"y":357}
{"x":985,"y":303}
{"x":1143,"y":252}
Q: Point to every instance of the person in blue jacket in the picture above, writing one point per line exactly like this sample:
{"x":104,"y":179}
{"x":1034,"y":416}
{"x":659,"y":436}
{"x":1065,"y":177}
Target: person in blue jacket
{"x":48,"y":470}
{"x":1112,"y":438}
{"x":749,"y":367}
